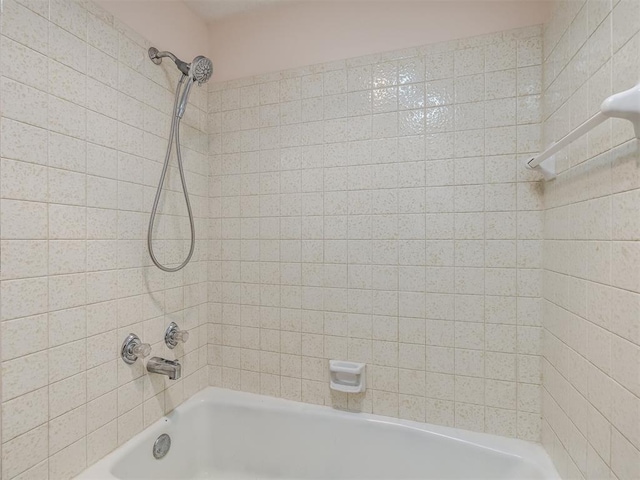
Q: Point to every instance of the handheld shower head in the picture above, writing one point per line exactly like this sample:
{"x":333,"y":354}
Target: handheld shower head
{"x":201,"y":69}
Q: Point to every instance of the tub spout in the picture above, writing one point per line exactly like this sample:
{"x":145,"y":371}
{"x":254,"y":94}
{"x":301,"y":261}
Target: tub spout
{"x":170,"y":368}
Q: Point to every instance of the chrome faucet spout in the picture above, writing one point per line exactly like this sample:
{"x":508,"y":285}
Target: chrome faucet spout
{"x":170,"y":368}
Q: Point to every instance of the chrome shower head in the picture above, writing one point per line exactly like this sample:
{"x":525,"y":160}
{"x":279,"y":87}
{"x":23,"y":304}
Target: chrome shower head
{"x":201,"y":69}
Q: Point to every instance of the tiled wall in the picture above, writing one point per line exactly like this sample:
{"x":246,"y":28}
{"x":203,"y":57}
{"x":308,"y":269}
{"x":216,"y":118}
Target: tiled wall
{"x":376,"y":210}
{"x":85,"y":116}
{"x":591,"y":281}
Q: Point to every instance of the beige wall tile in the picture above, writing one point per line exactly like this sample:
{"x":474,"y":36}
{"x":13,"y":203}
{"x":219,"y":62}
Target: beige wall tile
{"x":72,"y":247}
{"x":362,"y":284}
{"x":589,"y":387}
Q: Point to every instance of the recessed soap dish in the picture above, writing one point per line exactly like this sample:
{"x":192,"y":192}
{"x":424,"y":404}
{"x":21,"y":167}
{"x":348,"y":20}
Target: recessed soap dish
{"x":347,"y":377}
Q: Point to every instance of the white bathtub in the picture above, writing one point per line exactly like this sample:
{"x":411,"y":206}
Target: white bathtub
{"x":233,"y":435}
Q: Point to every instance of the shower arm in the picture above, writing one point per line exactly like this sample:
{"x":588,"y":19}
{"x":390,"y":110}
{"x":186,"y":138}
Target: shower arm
{"x":157,"y":56}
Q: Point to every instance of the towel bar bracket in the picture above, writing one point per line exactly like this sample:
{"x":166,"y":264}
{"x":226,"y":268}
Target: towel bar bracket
{"x":624,"y":105}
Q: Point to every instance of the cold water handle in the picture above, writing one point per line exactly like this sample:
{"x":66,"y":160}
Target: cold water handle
{"x":173,"y":335}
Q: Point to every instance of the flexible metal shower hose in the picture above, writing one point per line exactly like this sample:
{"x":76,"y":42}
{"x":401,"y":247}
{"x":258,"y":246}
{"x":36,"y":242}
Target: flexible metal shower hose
{"x":173,"y":133}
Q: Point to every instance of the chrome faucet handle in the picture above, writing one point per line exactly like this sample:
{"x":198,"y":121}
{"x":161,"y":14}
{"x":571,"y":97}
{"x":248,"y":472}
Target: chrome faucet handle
{"x":173,"y":335}
{"x":133,"y":348}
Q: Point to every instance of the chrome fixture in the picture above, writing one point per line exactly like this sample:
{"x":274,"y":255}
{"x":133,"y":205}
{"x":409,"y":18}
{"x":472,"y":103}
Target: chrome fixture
{"x":161,"y":446}
{"x":200,"y":71}
{"x":132,"y":348}
{"x":170,"y":368}
{"x":173,"y":335}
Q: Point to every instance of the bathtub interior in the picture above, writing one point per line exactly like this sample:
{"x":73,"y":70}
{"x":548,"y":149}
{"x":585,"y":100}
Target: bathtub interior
{"x":237,"y":440}
{"x":188,"y":436}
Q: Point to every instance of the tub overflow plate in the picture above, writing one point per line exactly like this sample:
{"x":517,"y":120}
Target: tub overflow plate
{"x":161,"y":446}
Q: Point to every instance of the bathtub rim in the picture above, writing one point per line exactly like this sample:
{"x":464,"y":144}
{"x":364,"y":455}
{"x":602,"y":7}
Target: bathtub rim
{"x":530,"y":452}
